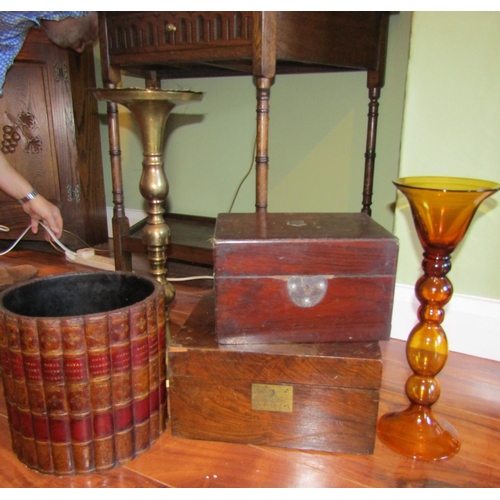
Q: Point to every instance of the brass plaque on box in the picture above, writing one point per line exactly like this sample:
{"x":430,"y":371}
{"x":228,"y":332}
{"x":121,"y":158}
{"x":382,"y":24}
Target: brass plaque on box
{"x":272,"y":398}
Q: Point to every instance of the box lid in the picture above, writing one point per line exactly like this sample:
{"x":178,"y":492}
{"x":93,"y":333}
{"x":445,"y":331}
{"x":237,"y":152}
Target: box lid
{"x":194,"y":352}
{"x":265,"y":244}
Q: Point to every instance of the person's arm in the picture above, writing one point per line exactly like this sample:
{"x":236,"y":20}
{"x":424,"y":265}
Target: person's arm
{"x":39,"y":209}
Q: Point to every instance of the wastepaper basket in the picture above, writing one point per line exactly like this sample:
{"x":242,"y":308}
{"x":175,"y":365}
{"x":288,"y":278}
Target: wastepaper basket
{"x":83,"y":368}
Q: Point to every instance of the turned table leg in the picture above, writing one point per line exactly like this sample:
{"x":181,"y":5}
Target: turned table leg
{"x":120,"y":223}
{"x":371,"y":140}
{"x":261,"y":157}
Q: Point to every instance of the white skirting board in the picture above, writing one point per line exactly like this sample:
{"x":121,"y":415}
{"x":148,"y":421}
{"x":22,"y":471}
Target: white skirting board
{"x":471,"y":324}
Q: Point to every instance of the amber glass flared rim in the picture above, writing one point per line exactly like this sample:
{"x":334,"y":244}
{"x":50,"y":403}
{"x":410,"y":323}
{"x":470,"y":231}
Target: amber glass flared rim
{"x":445,"y":184}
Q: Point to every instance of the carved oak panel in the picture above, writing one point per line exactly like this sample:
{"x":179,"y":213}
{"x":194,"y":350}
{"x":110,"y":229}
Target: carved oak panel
{"x":50,"y":134}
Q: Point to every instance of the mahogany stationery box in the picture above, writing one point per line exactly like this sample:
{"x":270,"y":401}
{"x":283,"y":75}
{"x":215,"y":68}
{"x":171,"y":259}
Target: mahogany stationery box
{"x":310,"y":277}
{"x":308,"y":396}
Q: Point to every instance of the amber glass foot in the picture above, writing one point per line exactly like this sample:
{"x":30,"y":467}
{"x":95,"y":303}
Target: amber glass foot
{"x":442,"y":209}
{"x":417,"y":433}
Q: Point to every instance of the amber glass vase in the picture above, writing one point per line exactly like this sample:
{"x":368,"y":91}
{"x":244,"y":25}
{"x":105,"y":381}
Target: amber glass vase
{"x":442,"y":210}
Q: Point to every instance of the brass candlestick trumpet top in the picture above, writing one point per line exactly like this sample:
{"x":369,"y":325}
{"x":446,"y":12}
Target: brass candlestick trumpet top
{"x":139,"y":94}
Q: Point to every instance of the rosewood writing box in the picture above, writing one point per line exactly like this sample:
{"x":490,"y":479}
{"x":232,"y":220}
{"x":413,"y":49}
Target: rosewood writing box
{"x":311,"y":277}
{"x":321,"y":397}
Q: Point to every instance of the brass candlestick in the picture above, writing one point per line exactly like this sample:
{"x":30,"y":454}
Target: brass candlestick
{"x":151,"y":108}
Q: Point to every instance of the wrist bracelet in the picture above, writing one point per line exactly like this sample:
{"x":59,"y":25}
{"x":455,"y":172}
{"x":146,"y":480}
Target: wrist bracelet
{"x":28,"y":197}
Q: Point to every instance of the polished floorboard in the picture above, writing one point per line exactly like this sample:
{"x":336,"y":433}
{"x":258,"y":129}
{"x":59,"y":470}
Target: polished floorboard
{"x":470,"y":401}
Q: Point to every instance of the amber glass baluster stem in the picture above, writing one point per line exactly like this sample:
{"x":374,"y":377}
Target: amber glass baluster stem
{"x":427,"y":346}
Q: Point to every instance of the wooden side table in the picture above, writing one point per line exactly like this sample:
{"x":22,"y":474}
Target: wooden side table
{"x":165,"y":45}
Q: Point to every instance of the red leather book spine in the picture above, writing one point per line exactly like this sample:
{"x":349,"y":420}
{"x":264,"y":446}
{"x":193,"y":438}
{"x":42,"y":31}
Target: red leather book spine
{"x":154,"y":371}
{"x":9,"y":351}
{"x":32,"y":366}
{"x":162,"y":325}
{"x":76,"y":373}
{"x":57,"y":411}
{"x":25,"y":446}
{"x":121,"y":381}
{"x":140,"y":375}
{"x":99,"y":364}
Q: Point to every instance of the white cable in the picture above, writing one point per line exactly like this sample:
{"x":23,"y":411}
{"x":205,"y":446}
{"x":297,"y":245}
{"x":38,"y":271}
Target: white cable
{"x":52,"y":235}
{"x":16,"y":242}
{"x":189,"y":278}
{"x":58,"y":243}
{"x":70,"y":252}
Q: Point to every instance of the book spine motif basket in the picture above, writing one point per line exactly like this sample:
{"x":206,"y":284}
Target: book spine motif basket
{"x":87,"y":392}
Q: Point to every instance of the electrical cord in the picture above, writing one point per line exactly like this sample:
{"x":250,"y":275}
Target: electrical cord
{"x":97,"y":250}
{"x":52,"y":235}
{"x":69,"y":252}
{"x":57,"y":242}
{"x":245,"y":177}
{"x":190,"y":278}
{"x":6,"y":229}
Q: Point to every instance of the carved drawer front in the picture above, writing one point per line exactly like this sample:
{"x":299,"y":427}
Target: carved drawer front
{"x":177,"y":31}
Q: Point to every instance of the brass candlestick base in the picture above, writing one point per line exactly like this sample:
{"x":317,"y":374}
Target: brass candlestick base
{"x":442,"y":209}
{"x":151,"y":108}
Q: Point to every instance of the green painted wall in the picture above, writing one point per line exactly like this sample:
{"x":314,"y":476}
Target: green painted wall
{"x":452,"y":128}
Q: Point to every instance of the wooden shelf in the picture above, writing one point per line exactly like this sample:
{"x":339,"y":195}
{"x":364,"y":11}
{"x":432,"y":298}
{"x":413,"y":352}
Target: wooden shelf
{"x":191,"y":238}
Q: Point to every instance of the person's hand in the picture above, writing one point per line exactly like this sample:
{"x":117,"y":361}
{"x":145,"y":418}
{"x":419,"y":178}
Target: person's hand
{"x":41,"y":210}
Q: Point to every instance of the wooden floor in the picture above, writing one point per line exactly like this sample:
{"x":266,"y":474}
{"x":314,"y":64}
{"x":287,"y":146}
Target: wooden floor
{"x":470,"y":400}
